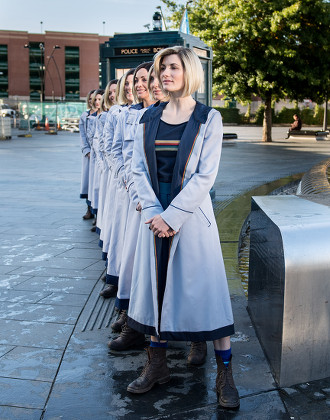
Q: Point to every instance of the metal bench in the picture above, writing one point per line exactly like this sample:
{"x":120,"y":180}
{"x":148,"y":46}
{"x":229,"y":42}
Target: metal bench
{"x":289,"y":283}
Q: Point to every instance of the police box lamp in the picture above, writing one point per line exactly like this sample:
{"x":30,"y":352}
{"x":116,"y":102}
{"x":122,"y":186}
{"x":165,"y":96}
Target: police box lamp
{"x":157,"y":22}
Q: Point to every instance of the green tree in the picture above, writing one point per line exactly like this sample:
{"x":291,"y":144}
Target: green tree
{"x":274,"y":49}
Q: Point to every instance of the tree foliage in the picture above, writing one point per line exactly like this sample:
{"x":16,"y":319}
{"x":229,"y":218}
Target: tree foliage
{"x":270,"y":48}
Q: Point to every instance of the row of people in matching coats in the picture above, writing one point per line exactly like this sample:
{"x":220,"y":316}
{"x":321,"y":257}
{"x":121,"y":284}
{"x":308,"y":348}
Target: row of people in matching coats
{"x":153,"y":157}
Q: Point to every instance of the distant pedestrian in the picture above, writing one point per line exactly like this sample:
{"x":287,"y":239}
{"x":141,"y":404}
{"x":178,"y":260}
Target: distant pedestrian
{"x":296,"y":125}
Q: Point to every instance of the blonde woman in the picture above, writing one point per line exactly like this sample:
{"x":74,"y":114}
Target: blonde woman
{"x":91,"y":129}
{"x":113,"y":236}
{"x":179,"y":286}
{"x":122,"y":150}
{"x":98,"y":144}
{"x":85,"y":149}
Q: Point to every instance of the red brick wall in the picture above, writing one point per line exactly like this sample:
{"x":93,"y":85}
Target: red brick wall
{"x":18,"y":61}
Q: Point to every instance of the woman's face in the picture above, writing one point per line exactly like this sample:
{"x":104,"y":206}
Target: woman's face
{"x":112,"y":93}
{"x":172,"y":73}
{"x":155,"y":89}
{"x":90,"y":102}
{"x":128,"y":88}
{"x":141,"y":84}
{"x":97,"y":101}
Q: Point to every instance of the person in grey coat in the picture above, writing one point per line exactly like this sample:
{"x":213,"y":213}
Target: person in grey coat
{"x":85,"y":150}
{"x":179,"y":287}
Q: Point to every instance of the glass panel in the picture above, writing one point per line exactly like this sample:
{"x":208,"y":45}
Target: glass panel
{"x":72,"y":73}
{"x":3,"y":71}
{"x":121,"y":72}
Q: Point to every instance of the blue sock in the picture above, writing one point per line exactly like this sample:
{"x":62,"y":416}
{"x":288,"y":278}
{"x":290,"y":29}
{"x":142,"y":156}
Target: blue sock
{"x":158,"y":344}
{"x":225,"y":355}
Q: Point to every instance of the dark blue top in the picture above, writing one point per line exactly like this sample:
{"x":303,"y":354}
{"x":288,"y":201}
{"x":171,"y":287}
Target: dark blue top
{"x":166,"y":145}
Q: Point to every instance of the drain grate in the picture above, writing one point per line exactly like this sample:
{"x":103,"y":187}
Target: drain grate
{"x":100,"y":315}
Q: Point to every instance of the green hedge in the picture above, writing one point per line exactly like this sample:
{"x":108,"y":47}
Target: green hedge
{"x":229,"y":115}
{"x":285,"y":115}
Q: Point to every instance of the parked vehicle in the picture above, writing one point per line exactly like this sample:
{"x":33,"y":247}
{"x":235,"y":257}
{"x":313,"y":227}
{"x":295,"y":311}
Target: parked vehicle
{"x":6,"y":111}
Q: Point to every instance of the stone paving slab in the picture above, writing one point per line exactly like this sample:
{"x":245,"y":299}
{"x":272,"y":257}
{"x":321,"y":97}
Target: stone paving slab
{"x":10,"y":413}
{"x":10,"y":280}
{"x":58,"y":273}
{"x":25,"y":296}
{"x":5,"y":349}
{"x":58,"y":284}
{"x":34,"y":334}
{"x":24,"y":393}
{"x":6,"y":269}
{"x":71,"y":299}
{"x":30,"y":363}
{"x":39,"y":313}
{"x":87,"y":253}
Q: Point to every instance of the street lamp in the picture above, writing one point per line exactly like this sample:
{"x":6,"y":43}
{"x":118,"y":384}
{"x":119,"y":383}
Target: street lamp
{"x":157,"y":21}
{"x":55,"y":47}
{"x":43,"y":69}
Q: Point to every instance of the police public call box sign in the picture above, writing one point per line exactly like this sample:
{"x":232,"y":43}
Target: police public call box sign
{"x":138,"y":50}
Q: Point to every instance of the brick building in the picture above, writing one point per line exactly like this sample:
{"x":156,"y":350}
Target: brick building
{"x":59,"y":65}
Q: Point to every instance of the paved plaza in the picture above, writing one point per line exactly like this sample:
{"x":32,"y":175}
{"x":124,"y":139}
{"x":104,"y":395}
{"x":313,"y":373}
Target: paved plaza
{"x":54,"y":327}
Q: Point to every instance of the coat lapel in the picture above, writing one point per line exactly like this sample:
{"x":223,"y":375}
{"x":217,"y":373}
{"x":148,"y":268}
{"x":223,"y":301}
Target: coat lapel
{"x":151,"y":119}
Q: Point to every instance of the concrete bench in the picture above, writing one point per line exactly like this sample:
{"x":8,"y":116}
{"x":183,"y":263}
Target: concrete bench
{"x":307,"y":135}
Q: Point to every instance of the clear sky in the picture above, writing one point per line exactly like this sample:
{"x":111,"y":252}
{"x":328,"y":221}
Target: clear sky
{"x":77,"y":16}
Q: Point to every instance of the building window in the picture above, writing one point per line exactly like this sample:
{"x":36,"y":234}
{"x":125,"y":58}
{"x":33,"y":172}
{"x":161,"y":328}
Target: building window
{"x":72,"y":87}
{"x":36,"y":70}
{"x":121,"y":72}
{"x":3,"y":71}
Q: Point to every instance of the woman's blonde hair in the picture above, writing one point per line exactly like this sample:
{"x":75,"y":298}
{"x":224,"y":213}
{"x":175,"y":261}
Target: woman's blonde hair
{"x":150,"y":79}
{"x":122,"y":100}
{"x":107,"y":103}
{"x":192,"y":68}
{"x":88,"y":97}
{"x":146,"y":66}
{"x":103,"y":106}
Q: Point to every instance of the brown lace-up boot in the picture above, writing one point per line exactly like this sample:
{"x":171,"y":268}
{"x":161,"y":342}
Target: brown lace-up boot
{"x":128,"y":338}
{"x":88,"y":214}
{"x":225,"y":386}
{"x":155,"y":371}
{"x":197,"y":354}
{"x":110,"y":291}
{"x":118,"y":324}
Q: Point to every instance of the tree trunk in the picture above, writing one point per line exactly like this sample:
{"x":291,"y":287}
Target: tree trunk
{"x":267,"y":124}
{"x":325,"y":115}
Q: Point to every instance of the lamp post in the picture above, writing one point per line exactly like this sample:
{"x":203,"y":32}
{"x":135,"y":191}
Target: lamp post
{"x":55,"y":47}
{"x":43,"y":69}
{"x":157,"y":21}
{"x":42,"y":72}
{"x":161,"y":12}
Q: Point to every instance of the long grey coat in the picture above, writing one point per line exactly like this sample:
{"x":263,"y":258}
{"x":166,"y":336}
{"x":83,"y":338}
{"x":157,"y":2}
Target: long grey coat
{"x":85,"y":149}
{"x":121,"y":204}
{"x":109,"y":200}
{"x":133,"y":217}
{"x":196,"y":303}
{"x":91,"y":125}
{"x":99,"y":176}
